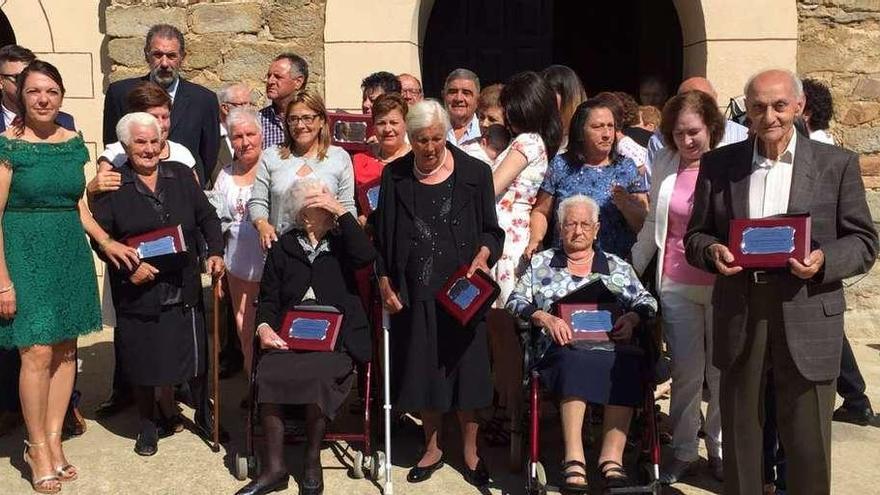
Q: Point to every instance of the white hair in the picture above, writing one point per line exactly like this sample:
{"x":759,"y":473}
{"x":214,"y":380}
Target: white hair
{"x":242,"y":115}
{"x":123,"y":127}
{"x":424,"y":114}
{"x":796,"y":82}
{"x":577,"y":200}
{"x":297,"y":194}
{"x":224,"y":94}
{"x":465,"y":74}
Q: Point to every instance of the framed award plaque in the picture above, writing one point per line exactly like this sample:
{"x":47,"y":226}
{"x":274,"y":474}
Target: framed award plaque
{"x":311,"y":328}
{"x":589,"y":321}
{"x":467,"y":298}
{"x":159,"y":242}
{"x":350,"y":131}
{"x":368,"y":196}
{"x":769,"y":242}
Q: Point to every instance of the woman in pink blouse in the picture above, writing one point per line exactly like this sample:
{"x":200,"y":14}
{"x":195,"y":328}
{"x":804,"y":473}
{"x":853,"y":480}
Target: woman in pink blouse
{"x":691,"y":125}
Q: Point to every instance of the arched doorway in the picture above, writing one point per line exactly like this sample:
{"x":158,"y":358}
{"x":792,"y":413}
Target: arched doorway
{"x":7,"y":35}
{"x":611,"y":45}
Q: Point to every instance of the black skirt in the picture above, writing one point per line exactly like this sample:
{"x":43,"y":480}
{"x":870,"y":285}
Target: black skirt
{"x":166,"y":349}
{"x":436,"y":364}
{"x":290,"y":377}
{"x":597,"y":376}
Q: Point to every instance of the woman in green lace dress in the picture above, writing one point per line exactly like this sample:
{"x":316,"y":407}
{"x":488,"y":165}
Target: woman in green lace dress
{"x":48,"y":291}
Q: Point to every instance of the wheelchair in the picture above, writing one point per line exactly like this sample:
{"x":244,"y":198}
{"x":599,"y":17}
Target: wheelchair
{"x":645,"y":345}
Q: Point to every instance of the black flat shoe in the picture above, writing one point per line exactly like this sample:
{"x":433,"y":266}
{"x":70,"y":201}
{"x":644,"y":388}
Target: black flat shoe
{"x":862,"y":416}
{"x":418,"y":474}
{"x":147,"y":443}
{"x":311,"y":487}
{"x":478,"y":476}
{"x":259,"y":487}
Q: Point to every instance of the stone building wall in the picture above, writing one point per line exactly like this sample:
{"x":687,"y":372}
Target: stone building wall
{"x":225,"y":40}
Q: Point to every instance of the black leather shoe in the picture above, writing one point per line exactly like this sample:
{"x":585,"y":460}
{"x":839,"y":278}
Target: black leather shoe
{"x":418,"y":474}
{"x":113,"y":406}
{"x":147,"y":443}
{"x":311,"y":486}
{"x":258,"y":487}
{"x":862,"y":416}
{"x":478,"y":476}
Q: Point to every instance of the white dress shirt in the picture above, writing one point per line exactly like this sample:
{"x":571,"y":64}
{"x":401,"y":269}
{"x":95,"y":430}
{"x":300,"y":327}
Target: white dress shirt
{"x":770,"y":182}
{"x":470,"y":140}
{"x":8,"y":116}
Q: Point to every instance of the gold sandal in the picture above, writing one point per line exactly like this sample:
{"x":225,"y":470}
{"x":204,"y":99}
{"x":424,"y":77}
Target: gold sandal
{"x":67,"y":472}
{"x":39,"y":485}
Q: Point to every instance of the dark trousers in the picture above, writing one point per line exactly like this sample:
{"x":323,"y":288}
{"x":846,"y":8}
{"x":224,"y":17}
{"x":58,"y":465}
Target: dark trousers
{"x":10,"y":363}
{"x":850,"y":383}
{"x":803,"y":407}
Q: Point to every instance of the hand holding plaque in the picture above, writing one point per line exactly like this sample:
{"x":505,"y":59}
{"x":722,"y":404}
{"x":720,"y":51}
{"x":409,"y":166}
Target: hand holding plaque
{"x":467,"y":298}
{"x":769,"y":242}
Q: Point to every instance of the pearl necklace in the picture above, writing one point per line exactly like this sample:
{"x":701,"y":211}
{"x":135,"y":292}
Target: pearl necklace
{"x":424,"y":175}
{"x":585,"y":261}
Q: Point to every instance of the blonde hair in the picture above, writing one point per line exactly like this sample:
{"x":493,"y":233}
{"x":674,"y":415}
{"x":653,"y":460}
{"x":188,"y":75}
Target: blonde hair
{"x":315,"y":103}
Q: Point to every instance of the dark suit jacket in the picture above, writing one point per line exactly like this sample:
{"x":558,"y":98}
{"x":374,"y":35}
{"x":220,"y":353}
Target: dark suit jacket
{"x":827,"y":184}
{"x":289,"y":274}
{"x":195,"y":120}
{"x":474,"y":221}
{"x":65,"y":120}
{"x":132,"y":210}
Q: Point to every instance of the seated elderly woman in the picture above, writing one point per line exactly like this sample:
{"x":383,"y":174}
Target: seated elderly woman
{"x":575,"y":371}
{"x":160,"y":327}
{"x":313,"y":263}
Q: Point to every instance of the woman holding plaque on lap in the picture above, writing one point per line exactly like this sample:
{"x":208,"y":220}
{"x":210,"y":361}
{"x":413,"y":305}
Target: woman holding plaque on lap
{"x":307,"y":283}
{"x":580,"y":364}
{"x":160,"y":210}
{"x":436,"y":217}
{"x":691,"y":126}
{"x":48,"y":291}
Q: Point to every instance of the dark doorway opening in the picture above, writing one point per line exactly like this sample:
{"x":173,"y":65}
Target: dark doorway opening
{"x":7,"y":35}
{"x":611,"y":45}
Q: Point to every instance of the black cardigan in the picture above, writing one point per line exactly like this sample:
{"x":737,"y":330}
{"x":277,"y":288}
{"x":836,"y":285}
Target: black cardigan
{"x":288,"y":275}
{"x":132,"y":210}
{"x":474,"y":223}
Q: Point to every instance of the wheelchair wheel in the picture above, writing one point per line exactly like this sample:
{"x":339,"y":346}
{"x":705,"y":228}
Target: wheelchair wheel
{"x":541,"y":475}
{"x":538,"y":484}
{"x":357,"y":465}
{"x":240,"y":467}
{"x":377,"y":466}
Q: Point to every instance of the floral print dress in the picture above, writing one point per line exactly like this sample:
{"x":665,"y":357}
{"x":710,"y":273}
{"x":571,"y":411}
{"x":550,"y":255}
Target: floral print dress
{"x":514,"y":206}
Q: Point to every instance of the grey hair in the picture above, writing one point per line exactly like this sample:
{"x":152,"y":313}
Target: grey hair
{"x":795,"y":81}
{"x":224,"y":94}
{"x":462,"y":74}
{"x":577,"y":199}
{"x":298,"y":65}
{"x":424,"y":114}
{"x":165,"y":31}
{"x":297,"y":194}
{"x":123,"y":127}
{"x":241,"y":115}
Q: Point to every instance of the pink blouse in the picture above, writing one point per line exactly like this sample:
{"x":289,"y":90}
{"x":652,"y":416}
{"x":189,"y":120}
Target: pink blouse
{"x":675,"y":266}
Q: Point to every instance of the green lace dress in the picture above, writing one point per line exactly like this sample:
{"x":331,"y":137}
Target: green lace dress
{"x":47,"y":255}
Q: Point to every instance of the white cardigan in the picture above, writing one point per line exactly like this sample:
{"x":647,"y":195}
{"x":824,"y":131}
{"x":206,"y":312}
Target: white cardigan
{"x":653,"y":234}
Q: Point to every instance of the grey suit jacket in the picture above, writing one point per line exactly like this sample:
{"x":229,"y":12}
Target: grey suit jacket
{"x":827,"y":184}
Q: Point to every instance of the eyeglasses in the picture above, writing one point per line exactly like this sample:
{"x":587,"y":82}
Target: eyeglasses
{"x":9,"y":77}
{"x":411,"y":92}
{"x":305,"y":119}
{"x":585,"y":226}
{"x":237,"y":104}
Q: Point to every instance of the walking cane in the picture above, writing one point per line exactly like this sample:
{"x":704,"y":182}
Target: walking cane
{"x":215,"y":366}
{"x":386,"y":333}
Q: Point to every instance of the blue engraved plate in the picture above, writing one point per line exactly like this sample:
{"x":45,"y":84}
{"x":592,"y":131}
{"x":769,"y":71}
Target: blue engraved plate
{"x":157,"y":247}
{"x":309,"y":329}
{"x":768,"y":240}
{"x":589,"y":320}
{"x":373,"y":196}
{"x":463,"y":293}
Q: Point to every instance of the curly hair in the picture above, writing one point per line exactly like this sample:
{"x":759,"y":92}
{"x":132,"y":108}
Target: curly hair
{"x":819,"y":104}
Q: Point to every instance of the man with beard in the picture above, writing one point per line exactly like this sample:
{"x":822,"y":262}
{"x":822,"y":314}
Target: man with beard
{"x":194,"y":110}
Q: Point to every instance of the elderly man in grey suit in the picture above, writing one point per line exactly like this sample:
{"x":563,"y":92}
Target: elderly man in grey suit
{"x":790,"y":320}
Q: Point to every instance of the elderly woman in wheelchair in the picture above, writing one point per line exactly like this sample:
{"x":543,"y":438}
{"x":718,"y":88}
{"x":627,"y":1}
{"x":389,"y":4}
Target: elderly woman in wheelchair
{"x":586,"y":361}
{"x":312,"y":264}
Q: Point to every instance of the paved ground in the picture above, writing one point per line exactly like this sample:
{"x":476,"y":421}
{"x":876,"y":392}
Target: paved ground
{"x":184,"y":464}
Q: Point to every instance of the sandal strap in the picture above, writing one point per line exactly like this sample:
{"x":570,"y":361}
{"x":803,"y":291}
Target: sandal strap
{"x":616,"y":468}
{"x":573,"y":463}
{"x":29,"y":444}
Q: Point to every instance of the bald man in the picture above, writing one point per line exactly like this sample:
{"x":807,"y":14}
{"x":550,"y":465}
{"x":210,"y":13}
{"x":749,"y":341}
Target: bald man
{"x":410,"y":89}
{"x":733,"y":132}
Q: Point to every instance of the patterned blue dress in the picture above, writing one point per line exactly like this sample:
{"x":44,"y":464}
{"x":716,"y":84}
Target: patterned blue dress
{"x":567,"y":175}
{"x":594,"y":373}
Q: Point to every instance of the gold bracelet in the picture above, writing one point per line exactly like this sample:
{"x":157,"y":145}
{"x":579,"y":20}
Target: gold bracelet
{"x":7,"y":289}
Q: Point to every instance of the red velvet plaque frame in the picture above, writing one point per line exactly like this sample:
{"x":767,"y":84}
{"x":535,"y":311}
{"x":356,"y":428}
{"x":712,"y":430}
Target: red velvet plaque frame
{"x":319,"y":331}
{"x":365,"y":206}
{"x":465,"y":299}
{"x":568,"y":312}
{"x":174,"y":231}
{"x":740,"y":228}
{"x":350,"y":131}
